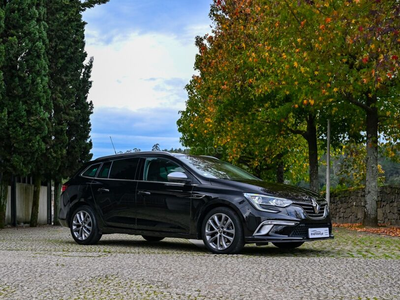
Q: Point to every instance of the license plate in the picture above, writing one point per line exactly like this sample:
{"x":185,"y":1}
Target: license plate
{"x":314,"y":233}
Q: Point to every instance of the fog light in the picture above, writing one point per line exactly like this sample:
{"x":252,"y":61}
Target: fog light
{"x":265,"y":227}
{"x":263,"y":230}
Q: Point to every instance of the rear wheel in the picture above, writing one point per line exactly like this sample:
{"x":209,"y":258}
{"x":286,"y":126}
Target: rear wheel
{"x":152,"y":238}
{"x":222,"y":231}
{"x":288,"y":245}
{"x":83,"y":226}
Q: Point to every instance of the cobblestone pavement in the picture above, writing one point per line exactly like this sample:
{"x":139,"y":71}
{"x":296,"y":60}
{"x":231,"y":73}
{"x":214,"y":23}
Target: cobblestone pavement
{"x":45,"y":263}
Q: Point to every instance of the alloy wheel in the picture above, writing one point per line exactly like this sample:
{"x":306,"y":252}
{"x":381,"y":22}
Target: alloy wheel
{"x":82,"y":225}
{"x":220,"y":231}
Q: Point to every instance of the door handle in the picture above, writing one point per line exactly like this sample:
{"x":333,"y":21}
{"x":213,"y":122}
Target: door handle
{"x":103,"y":190}
{"x":144,"y":193}
{"x":197,"y":196}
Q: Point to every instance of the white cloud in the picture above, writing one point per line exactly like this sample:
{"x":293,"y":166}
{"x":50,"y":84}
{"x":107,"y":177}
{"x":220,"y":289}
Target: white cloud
{"x":123,"y":67}
{"x":133,"y":129}
{"x":144,"y":55}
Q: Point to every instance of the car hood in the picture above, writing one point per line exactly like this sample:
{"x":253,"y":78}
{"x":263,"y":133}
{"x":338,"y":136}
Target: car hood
{"x":274,"y":189}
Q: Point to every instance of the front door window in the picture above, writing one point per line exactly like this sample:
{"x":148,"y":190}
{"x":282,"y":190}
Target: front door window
{"x":157,"y":169}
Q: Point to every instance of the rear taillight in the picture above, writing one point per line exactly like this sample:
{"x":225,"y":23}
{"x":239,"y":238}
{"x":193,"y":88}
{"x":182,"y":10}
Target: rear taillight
{"x":64,"y":187}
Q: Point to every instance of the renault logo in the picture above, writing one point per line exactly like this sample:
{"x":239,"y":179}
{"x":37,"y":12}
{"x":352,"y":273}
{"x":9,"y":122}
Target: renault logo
{"x":315,"y":205}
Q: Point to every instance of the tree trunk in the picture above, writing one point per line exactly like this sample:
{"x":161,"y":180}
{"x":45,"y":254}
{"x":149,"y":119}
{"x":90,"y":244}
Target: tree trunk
{"x":3,"y":199}
{"x":37,"y":180}
{"x":57,"y":194}
{"x":311,"y":137}
{"x":371,"y":184}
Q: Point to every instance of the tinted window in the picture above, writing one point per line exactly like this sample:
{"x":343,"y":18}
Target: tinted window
{"x":124,"y":168}
{"x":105,"y":169}
{"x":157,"y":169}
{"x":91,"y":171}
{"x":214,"y":168}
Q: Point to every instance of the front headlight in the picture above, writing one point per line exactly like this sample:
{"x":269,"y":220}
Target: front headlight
{"x":259,"y":200}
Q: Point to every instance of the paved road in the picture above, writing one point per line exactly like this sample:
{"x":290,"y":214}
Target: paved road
{"x":44,"y":263}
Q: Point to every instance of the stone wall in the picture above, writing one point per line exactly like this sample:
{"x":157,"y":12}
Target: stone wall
{"x":348,"y":206}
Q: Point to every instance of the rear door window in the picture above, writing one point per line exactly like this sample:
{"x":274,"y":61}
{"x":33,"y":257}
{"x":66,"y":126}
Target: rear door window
{"x":124,"y":168}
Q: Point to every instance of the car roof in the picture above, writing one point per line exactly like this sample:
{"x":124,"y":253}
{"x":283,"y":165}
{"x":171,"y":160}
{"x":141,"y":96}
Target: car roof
{"x":139,"y":153}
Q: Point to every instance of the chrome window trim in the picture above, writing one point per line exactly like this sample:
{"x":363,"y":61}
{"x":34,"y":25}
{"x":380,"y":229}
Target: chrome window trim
{"x":135,"y":180}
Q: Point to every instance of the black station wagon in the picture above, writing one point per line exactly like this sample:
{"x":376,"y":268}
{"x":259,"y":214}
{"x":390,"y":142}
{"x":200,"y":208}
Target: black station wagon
{"x":160,"y":194}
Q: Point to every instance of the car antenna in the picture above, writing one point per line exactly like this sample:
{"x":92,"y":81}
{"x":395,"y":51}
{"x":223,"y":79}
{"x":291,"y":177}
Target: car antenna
{"x":113,"y":144}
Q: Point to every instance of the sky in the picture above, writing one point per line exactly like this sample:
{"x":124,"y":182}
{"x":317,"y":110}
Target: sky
{"x":144,"y":55}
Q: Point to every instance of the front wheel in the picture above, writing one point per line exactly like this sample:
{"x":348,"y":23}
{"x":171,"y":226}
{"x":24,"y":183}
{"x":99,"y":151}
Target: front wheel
{"x":83,"y":226}
{"x":222,"y":231}
{"x":288,"y":246}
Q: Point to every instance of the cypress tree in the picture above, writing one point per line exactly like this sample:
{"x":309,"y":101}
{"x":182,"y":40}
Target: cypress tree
{"x":47,"y":158}
{"x":70,"y":84}
{"x":91,"y":3}
{"x":26,"y":100}
{"x":3,"y":113}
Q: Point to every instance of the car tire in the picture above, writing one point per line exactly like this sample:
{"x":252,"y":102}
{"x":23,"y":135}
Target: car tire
{"x":84,"y":227}
{"x":288,"y":246}
{"x":222,"y":231}
{"x":152,"y":238}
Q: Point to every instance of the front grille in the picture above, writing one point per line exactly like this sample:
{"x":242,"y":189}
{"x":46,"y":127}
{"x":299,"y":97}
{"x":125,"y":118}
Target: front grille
{"x":309,"y":209}
{"x":302,"y":230}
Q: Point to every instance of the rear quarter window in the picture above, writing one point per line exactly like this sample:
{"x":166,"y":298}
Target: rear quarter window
{"x":105,"y":170}
{"x":91,"y":171}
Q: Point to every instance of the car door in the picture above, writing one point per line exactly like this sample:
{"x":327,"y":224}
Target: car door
{"x":114,"y":190}
{"x":161,"y":205}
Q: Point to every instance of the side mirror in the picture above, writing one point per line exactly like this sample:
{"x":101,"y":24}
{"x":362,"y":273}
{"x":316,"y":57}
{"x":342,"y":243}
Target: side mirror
{"x":178,"y":177}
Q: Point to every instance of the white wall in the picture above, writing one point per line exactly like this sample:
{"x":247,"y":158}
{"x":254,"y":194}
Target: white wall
{"x":24,"y":193}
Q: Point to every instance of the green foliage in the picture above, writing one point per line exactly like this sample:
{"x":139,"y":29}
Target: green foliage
{"x":3,"y":111}
{"x":3,"y":123}
{"x":352,"y":166}
{"x":244,"y":102}
{"x":70,"y":143}
{"x":44,"y":85}
{"x":26,"y":105}
{"x":85,"y":4}
{"x":156,"y":147}
{"x":27,"y":97}
{"x":78,"y":132}
{"x":271,"y":70}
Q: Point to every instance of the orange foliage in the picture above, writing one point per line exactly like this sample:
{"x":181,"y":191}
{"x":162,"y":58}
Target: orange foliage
{"x":382,"y":229}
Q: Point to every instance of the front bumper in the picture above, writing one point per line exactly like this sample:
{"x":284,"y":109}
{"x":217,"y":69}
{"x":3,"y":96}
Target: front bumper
{"x":288,"y":231}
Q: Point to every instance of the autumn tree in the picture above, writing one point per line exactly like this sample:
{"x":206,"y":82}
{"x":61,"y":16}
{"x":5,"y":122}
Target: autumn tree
{"x":322,"y":59}
{"x":223,"y":116}
{"x":348,"y":50}
{"x":244,"y":97}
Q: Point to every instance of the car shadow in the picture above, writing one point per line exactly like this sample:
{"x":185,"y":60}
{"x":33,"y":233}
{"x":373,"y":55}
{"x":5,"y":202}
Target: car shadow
{"x":277,"y":252}
{"x":164,"y":245}
{"x":197,"y":247}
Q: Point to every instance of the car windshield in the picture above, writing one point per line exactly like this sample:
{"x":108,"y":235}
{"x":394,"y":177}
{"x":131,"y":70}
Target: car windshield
{"x":213,"y":168}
